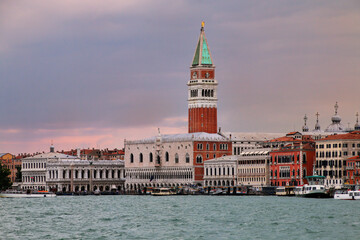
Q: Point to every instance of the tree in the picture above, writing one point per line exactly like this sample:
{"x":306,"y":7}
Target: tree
{"x":18,"y":177}
{"x":5,"y":182}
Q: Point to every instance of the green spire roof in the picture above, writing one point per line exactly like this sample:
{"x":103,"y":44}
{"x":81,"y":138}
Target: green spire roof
{"x":202,"y":53}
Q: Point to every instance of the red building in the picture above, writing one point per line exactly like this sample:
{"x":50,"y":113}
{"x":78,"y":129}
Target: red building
{"x":353,"y":171}
{"x":205,"y":150}
{"x":290,"y":164}
{"x":202,"y":95}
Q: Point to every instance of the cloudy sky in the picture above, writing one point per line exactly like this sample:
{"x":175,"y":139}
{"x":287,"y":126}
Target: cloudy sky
{"x":93,"y":73}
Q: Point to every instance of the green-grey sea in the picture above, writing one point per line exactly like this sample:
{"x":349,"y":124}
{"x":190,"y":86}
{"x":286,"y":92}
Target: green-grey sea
{"x":178,"y":217}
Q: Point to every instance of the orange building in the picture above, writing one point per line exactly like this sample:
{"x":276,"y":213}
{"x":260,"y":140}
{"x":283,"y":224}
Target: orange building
{"x":353,"y":171}
{"x":9,"y":161}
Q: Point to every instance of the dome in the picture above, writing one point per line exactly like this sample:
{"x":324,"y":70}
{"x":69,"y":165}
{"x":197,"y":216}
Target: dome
{"x":305,"y":129}
{"x":335,"y":127}
{"x":336,"y":119}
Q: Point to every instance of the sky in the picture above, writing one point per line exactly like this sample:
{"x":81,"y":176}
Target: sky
{"x":90,"y":74}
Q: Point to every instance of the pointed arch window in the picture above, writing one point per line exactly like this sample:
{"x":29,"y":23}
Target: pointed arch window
{"x":141,"y":157}
{"x":187,"y":158}
{"x":199,"y":159}
{"x":166,"y":156}
{"x":131,"y":158}
{"x":151,"y":157}
{"x":176,"y":158}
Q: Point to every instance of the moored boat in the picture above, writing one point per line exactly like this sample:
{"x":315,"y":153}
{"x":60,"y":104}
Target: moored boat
{"x":347,"y":195}
{"x":162,"y":192}
{"x":315,"y":188}
{"x":26,"y":194}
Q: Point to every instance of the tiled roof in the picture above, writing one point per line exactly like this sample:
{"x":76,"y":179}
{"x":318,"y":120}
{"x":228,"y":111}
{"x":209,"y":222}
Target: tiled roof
{"x":352,"y":135}
{"x":198,"y":136}
{"x":285,"y":139}
{"x":354,"y":158}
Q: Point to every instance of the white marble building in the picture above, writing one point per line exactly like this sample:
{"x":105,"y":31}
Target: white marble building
{"x":220,"y":172}
{"x":171,"y":160}
{"x":59,"y":172}
{"x":33,"y":169}
{"x":73,"y":175}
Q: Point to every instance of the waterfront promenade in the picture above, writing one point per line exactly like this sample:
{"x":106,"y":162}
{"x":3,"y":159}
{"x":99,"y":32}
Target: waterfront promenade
{"x":179,"y":217}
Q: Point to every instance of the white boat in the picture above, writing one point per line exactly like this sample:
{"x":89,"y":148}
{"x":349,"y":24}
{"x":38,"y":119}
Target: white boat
{"x":347,"y":195}
{"x":217,"y":191}
{"x":26,"y":194}
{"x":162,"y":192}
{"x":315,"y":188}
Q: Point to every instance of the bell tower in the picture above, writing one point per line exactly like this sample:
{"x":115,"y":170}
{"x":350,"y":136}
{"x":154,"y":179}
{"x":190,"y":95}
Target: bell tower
{"x":202,"y":89}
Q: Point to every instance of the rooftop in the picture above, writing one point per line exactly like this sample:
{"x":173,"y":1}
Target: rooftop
{"x":184,"y":137}
{"x":352,"y":135}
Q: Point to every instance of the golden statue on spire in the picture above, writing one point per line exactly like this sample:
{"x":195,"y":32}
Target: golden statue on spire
{"x":202,"y":24}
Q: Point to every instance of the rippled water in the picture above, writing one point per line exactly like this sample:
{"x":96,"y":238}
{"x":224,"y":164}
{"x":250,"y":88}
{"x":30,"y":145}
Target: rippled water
{"x":179,"y":217}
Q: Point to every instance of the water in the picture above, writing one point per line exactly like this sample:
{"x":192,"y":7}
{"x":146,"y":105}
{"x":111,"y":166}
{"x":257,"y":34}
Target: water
{"x":178,"y":217}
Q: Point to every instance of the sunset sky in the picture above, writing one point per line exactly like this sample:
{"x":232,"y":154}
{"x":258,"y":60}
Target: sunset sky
{"x":93,"y":73}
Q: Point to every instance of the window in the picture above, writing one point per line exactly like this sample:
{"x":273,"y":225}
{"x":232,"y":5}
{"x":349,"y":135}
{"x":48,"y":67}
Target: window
{"x":176,"y":158}
{"x":141,"y":157}
{"x":199,"y":146}
{"x":199,"y":159}
{"x":131,"y":158}
{"x":214,"y":146}
{"x":345,"y":145}
{"x":166,"y":156}
{"x":151,"y":157}
{"x":207,"y":146}
{"x":187,"y":158}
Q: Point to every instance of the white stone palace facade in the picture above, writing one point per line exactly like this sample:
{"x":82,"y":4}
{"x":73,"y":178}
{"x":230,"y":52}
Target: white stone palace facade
{"x":171,"y":160}
{"x":253,"y":168}
{"x":60,"y":172}
{"x":33,"y":169}
{"x":75,"y":175}
{"x":220,"y":172}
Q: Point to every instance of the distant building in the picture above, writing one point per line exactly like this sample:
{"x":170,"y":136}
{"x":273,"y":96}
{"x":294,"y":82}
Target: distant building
{"x":220,"y":172}
{"x":352,"y":176}
{"x":332,"y":153}
{"x":243,"y":141}
{"x":34,"y":169}
{"x":253,"y":168}
{"x":73,"y":175}
{"x":291,"y":163}
{"x":60,"y":172}
{"x":96,"y":154}
{"x":171,"y":160}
